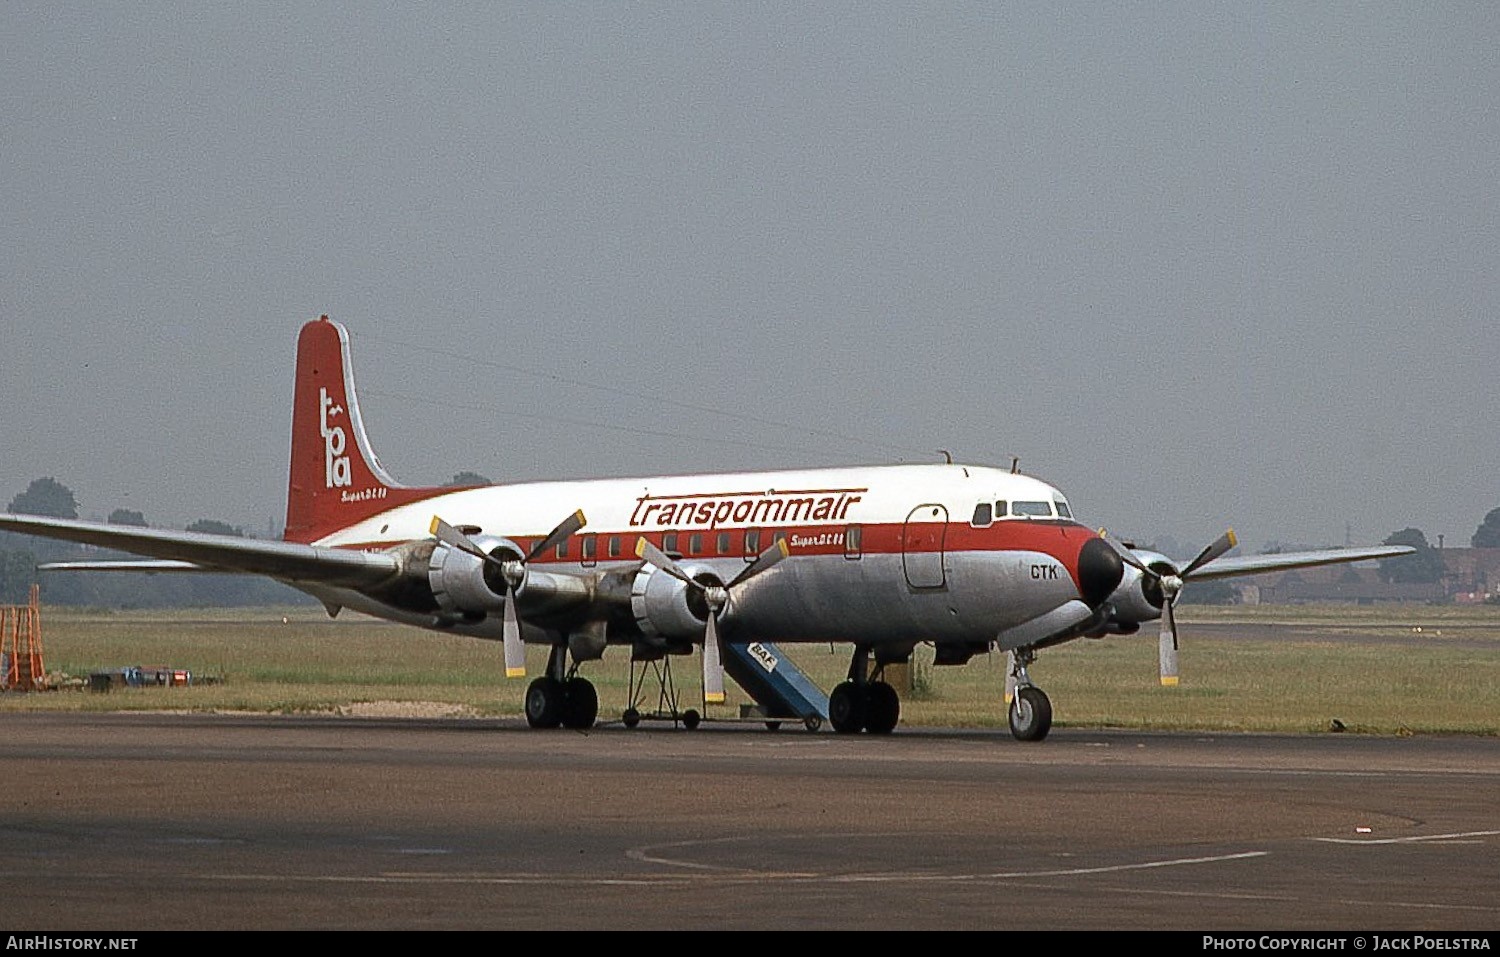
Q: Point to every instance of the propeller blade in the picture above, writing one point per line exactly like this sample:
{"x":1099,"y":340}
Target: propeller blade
{"x":1220,"y":545}
{"x":510,"y":629}
{"x":515,"y":649}
{"x":713,"y":666}
{"x":560,"y":534}
{"x":453,"y":538}
{"x":652,"y":555}
{"x":1167,"y":650}
{"x":1127,"y":556}
{"x":1171,"y":587}
{"x":763,"y":561}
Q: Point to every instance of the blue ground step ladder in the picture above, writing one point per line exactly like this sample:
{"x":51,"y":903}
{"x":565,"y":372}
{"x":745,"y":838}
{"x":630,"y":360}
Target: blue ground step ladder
{"x":780,"y":689}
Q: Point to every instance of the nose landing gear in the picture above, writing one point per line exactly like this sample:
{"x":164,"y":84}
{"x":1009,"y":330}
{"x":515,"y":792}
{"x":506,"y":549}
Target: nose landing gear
{"x":1030,"y":708}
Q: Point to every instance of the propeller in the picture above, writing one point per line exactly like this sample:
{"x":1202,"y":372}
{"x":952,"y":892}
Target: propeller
{"x":716,"y":597}
{"x":513,"y":571}
{"x":1170,"y":582}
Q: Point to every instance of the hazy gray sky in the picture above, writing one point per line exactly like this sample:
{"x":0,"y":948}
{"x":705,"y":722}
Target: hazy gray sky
{"x":1198,"y":265}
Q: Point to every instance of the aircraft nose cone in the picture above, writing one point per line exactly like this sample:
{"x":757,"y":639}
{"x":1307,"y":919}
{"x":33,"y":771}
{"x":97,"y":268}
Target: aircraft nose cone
{"x":1099,"y":571}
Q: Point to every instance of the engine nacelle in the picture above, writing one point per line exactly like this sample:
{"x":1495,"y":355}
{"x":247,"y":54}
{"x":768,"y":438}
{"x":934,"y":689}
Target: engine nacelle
{"x":465,"y":585}
{"x":1139,"y":597}
{"x":668,"y":607}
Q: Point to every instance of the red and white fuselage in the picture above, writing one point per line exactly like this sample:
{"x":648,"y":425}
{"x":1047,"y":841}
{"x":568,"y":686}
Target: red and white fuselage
{"x":875,"y":553}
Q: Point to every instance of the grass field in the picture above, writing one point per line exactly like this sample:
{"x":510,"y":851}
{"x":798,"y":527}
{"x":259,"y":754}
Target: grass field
{"x":1388,"y":670}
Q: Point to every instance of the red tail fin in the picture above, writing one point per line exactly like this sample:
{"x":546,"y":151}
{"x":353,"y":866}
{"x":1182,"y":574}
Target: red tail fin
{"x":336,"y":480}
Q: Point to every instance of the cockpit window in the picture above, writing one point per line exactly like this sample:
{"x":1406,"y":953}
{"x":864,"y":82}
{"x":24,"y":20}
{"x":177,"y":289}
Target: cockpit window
{"x":1032,"y":509}
{"x":1001,"y":509}
{"x":1062,"y":509}
{"x":982,"y":515}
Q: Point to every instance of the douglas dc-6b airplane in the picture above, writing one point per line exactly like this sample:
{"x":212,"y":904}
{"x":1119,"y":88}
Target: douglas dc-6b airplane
{"x":967,"y":558}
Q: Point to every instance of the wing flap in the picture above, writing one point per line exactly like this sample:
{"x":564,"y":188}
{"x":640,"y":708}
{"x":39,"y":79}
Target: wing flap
{"x":148,"y":565}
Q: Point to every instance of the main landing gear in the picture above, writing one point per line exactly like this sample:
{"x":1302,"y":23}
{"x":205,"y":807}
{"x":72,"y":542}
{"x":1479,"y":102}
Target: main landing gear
{"x":1030,"y":709}
{"x":864,"y":702}
{"x":561,"y":698}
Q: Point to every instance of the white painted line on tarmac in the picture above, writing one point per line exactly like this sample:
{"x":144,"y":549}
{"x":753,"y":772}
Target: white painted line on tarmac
{"x":1413,"y":839}
{"x":1063,"y":872}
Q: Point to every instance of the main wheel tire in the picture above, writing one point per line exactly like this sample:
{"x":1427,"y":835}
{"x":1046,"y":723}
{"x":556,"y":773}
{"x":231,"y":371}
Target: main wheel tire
{"x":1030,"y":714}
{"x":690,"y":719}
{"x":581,"y":704}
{"x":846,"y":708}
{"x":882,"y":708}
{"x":545,"y":702}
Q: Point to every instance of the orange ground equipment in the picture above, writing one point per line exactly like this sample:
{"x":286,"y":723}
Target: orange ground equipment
{"x":21,"y":645}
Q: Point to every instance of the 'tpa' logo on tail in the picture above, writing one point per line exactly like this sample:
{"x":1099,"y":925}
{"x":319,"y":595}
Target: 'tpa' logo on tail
{"x":336,"y":468}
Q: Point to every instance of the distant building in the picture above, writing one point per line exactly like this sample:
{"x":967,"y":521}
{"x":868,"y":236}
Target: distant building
{"x":1471,"y":575}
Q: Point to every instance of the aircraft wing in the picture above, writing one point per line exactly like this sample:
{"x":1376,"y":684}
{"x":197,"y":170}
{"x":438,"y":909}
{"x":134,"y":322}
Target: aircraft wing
{"x":196,"y":551}
{"x":1255,"y":564}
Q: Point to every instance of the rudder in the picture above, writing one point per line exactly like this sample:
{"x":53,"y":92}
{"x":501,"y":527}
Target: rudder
{"x":335,"y":479}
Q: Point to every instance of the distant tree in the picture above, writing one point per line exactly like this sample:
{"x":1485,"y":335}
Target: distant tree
{"x":17,"y":572}
{"x":467,"y":479}
{"x":1487,"y":535}
{"x":1426,"y":565}
{"x":45,"y":496}
{"x":126,"y":516}
{"x":213,"y":527}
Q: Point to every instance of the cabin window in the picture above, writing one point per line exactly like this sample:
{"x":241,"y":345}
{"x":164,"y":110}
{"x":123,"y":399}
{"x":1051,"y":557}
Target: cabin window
{"x":779,"y":537}
{"x":669,"y":543}
{"x":614,"y":546}
{"x":695,"y":543}
{"x":562,"y":549}
{"x":983,"y":515}
{"x":853,"y":542}
{"x":752,"y":544}
{"x":721,"y":543}
{"x":590,"y":549}
{"x":1032,"y":509}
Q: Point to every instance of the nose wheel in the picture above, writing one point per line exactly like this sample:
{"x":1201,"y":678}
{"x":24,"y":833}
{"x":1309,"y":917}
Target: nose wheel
{"x":1030,"y":714}
{"x":1030,"y":708}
